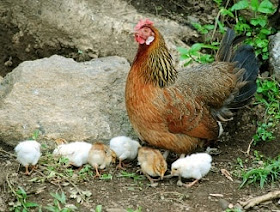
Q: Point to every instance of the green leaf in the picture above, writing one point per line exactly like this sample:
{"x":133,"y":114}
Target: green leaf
{"x":258,"y":21}
{"x":255,"y":5}
{"x":226,"y":12}
{"x":31,"y":204}
{"x":98,"y":208}
{"x":182,"y":50}
{"x":266,"y":7}
{"x":265,"y":31}
{"x":241,"y":5}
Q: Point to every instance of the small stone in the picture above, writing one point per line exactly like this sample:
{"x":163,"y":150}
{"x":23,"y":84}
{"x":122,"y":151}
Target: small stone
{"x":223,"y":203}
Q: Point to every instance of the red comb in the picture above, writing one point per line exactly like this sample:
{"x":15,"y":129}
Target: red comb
{"x":141,"y":23}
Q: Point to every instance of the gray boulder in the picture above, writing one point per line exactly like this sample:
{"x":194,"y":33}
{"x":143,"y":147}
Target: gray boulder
{"x":64,"y":99}
{"x":96,"y":28}
{"x":275,"y":55}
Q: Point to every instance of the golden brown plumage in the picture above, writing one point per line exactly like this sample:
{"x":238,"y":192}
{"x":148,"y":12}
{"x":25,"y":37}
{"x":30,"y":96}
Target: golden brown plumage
{"x":100,"y":156}
{"x":179,"y":110}
{"x":152,"y":163}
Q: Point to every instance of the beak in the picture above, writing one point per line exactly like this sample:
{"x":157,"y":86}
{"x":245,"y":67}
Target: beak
{"x":162,"y":175}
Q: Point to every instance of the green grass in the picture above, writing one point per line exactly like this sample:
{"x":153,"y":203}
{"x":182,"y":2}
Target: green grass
{"x":260,"y":171}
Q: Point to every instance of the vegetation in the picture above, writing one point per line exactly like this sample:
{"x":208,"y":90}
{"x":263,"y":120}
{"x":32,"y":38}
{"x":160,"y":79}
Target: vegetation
{"x":260,"y":171}
{"x":21,"y":204}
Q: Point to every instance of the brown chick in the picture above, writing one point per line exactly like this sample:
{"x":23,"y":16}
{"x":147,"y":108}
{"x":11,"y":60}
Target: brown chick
{"x":100,"y":156}
{"x":152,"y":163}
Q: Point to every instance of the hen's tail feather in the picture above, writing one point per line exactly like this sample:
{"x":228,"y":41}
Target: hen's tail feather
{"x":225,"y":50}
{"x":247,"y":69}
{"x":226,"y":47}
{"x":245,"y":58}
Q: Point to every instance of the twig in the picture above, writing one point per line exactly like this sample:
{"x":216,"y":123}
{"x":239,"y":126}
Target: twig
{"x":8,"y":153}
{"x":257,"y":200}
{"x":249,"y":147}
{"x":10,"y":186}
{"x":69,"y":181}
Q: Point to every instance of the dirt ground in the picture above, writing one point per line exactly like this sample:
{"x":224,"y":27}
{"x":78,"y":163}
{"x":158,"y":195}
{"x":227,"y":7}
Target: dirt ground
{"x":121,"y":193}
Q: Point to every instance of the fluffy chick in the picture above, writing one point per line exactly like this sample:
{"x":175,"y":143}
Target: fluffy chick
{"x":76,"y":152}
{"x":28,"y":153}
{"x":100,"y":156}
{"x":125,"y":148}
{"x":193,"y":166}
{"x":152,"y":163}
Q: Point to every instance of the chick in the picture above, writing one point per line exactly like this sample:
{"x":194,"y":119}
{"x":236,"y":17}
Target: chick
{"x":100,"y":156}
{"x":125,"y":148}
{"x":152,"y":163}
{"x":28,"y":153}
{"x":193,"y":166}
{"x":76,"y":152}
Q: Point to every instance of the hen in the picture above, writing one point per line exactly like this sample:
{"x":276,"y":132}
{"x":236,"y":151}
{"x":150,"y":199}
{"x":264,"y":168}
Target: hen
{"x":152,"y":163}
{"x":178,"y":111}
{"x":125,"y":148}
{"x":193,"y":166}
{"x":100,"y":156}
{"x":76,"y":152}
{"x":28,"y":153}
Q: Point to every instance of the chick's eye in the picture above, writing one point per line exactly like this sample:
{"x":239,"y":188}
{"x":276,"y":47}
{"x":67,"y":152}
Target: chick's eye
{"x":175,"y":169}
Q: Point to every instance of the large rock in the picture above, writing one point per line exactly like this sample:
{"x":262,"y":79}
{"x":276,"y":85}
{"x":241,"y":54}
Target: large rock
{"x":95,"y":28}
{"x":274,"y":58}
{"x":63,"y":98}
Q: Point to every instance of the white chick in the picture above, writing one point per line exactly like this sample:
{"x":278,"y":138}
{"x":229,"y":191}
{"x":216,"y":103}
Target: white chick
{"x":193,"y":166}
{"x":100,"y":156}
{"x":125,"y":148}
{"x":76,"y":152}
{"x":28,"y":153}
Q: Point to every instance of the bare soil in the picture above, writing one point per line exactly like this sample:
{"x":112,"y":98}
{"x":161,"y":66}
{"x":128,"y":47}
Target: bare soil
{"x":119,"y":194}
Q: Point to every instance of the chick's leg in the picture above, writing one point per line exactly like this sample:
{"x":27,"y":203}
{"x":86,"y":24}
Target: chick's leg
{"x":179,"y":182}
{"x":120,"y":165}
{"x":26,"y":170}
{"x":191,"y":184}
{"x":97,"y":172}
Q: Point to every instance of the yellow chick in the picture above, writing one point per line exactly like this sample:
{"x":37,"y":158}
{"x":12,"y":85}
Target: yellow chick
{"x":100,"y":156}
{"x":152,"y":163}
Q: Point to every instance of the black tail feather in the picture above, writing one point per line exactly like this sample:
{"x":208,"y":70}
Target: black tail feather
{"x":247,"y":69}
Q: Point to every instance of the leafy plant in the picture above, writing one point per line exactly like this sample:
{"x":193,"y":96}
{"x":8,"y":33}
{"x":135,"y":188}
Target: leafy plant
{"x":86,"y":172}
{"x":139,"y":209}
{"x":256,"y":29}
{"x":22,"y":205}
{"x":268,"y":95}
{"x":264,"y":170}
{"x":59,"y":204}
{"x":106,"y":177}
{"x":134,"y":176}
{"x":98,"y":208}
{"x":194,"y":55}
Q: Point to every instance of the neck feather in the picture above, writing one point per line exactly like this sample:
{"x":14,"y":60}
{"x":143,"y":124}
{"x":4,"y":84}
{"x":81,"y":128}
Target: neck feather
{"x":156,"y":63}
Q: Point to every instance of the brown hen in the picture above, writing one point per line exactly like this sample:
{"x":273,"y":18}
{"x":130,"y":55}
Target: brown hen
{"x":178,"y":111}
